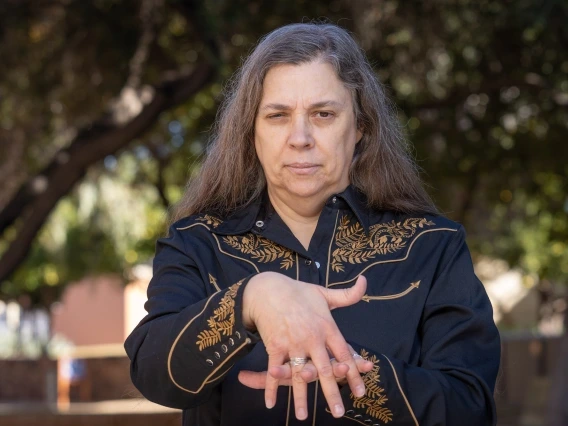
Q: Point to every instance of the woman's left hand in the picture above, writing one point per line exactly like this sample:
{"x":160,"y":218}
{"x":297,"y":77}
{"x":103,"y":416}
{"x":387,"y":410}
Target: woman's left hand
{"x":309,"y":373}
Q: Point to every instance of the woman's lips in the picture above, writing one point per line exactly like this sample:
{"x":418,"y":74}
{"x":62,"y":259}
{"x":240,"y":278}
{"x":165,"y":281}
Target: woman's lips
{"x":303,"y":168}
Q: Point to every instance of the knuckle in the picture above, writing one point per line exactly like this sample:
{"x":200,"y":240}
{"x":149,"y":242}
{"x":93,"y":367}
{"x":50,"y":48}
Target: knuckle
{"x":275,"y":349}
{"x":333,"y":398}
{"x":326,"y":371}
{"x":297,"y":378}
{"x":344,"y":356}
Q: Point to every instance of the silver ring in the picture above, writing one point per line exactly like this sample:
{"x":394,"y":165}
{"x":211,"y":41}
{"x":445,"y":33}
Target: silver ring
{"x":356,"y":355}
{"x":332,"y":359}
{"x":298,"y":361}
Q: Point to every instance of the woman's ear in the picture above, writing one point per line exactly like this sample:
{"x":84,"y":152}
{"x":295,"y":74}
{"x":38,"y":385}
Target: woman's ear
{"x":359,"y":136}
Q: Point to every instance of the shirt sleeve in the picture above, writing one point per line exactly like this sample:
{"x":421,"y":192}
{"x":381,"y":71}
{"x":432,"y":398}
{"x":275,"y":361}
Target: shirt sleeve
{"x":188,"y":341}
{"x":454,"y":380}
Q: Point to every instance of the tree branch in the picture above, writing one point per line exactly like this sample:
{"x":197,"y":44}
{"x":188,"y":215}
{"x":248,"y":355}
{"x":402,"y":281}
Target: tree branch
{"x":36,"y":199}
{"x":160,"y":183}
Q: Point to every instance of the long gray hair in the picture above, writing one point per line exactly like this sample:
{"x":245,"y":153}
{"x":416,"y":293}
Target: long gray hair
{"x":231,"y":175}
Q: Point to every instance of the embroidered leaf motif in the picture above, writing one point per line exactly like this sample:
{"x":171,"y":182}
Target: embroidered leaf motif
{"x":381,"y":413}
{"x":287,"y":262}
{"x":207,"y":338}
{"x":211,"y":323}
{"x":232,"y":291}
{"x":261,"y":249}
{"x":375,"y":390}
{"x":226,"y":327}
{"x":374,"y":399}
{"x":222,"y":321}
{"x":210,"y":220}
{"x":348,"y":234}
{"x":222,"y":312}
{"x":355,"y":247}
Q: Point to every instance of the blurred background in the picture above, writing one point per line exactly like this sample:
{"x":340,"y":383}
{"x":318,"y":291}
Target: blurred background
{"x":105,"y":111}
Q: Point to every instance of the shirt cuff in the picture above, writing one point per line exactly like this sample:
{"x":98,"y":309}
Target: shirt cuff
{"x":215,"y":338}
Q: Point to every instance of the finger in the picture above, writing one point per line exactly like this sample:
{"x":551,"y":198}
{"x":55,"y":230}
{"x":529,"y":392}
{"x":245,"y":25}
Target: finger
{"x":337,"y":298}
{"x":363,"y":366}
{"x":344,"y":353}
{"x":328,"y":381}
{"x":300,"y":392}
{"x":309,"y":373}
{"x":280,"y":372}
{"x":257,"y":380}
{"x":339,"y":369}
{"x":253,"y":379}
{"x":271,"y":384}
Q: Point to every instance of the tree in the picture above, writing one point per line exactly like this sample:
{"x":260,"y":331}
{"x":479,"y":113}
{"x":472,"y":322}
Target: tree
{"x":120,"y":93}
{"x":91,"y":96}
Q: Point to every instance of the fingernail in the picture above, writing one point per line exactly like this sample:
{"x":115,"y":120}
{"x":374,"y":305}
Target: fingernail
{"x":360,"y":391}
{"x":338,"y":410}
{"x":269,"y":404}
{"x":302,"y":414}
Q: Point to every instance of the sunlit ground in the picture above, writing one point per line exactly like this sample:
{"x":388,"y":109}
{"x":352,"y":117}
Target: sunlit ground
{"x":127,"y":406}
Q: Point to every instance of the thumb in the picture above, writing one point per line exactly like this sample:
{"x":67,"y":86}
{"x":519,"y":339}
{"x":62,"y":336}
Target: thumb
{"x":346,"y":296}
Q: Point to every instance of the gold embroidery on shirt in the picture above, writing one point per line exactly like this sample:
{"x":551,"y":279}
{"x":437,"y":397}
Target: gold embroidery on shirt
{"x":261,"y":249}
{"x":222,"y":320}
{"x":213,"y":282}
{"x":210,"y":220}
{"x":414,"y":285}
{"x":354,"y":246}
{"x":375,"y":397}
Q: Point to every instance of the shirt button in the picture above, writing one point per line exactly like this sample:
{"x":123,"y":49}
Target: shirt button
{"x":259,"y":223}
{"x":318,"y":265}
{"x":334,"y":200}
{"x":308,"y":262}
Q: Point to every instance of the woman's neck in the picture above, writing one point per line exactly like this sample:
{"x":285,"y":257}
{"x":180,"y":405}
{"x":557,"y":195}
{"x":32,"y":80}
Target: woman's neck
{"x":298,"y":213}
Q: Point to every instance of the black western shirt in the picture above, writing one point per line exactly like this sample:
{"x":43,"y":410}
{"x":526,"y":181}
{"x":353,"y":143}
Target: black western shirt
{"x":425,"y":321}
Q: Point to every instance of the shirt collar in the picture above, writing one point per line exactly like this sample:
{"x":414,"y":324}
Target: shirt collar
{"x":357,"y":202}
{"x":244,"y":219}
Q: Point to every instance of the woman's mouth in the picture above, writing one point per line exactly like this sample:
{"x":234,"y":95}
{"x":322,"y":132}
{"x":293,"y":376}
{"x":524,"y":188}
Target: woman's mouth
{"x":303,"y":168}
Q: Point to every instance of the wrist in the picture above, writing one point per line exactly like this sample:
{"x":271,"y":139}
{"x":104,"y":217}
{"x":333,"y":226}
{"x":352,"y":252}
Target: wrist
{"x":248,"y":304}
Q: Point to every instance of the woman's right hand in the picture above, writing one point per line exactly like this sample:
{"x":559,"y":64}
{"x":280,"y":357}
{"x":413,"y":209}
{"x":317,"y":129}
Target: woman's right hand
{"x":294,"y":319}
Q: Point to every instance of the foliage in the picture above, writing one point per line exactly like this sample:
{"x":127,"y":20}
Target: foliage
{"x":481,"y":87}
{"x":483,"y":91}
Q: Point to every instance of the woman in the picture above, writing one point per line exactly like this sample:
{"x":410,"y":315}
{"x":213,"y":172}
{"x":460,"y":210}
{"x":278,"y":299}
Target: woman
{"x":307,"y":274}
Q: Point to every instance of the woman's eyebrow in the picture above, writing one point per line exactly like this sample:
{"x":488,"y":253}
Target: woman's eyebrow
{"x":320,"y":104}
{"x":325,"y":104}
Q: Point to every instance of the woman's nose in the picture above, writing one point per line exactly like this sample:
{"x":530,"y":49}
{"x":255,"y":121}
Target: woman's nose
{"x":300,"y":133}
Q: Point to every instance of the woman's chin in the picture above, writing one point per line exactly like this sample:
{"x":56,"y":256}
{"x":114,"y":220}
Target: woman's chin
{"x":305,"y":189}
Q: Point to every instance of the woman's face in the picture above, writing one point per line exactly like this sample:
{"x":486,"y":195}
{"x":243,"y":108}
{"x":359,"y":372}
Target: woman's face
{"x":305,"y":130}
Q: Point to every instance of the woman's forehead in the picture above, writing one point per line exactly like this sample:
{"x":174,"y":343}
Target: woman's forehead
{"x":311,"y":84}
